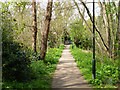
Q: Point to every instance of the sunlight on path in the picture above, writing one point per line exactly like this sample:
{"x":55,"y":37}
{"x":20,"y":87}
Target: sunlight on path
{"x":67,"y":74}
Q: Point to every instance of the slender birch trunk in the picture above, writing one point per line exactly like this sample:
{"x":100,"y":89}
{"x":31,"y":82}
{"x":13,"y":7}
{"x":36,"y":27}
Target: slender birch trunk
{"x":107,"y":27}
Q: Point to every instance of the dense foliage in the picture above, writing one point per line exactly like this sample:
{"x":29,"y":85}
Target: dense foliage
{"x":79,"y":35}
{"x":106,"y":70}
{"x":15,"y":62}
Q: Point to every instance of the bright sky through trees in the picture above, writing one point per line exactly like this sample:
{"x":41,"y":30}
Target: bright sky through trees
{"x":89,"y":5}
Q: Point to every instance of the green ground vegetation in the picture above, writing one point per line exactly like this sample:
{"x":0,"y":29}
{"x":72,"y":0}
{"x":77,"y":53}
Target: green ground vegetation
{"x":106,"y":70}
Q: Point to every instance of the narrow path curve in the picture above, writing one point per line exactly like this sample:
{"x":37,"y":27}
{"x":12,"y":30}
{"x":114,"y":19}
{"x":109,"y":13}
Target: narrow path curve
{"x":67,"y":74}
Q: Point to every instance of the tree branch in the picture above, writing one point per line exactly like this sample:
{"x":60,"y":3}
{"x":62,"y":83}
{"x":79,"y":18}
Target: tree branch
{"x":95,"y":25}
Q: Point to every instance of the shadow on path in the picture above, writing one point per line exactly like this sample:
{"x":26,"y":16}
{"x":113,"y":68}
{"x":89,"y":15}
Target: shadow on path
{"x":67,"y":74}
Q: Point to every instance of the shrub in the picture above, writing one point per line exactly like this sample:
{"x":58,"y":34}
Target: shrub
{"x":21,"y":68}
{"x":15,"y":63}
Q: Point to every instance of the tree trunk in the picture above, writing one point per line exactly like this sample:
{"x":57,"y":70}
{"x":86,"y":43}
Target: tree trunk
{"x":112,"y":46}
{"x":83,"y":14}
{"x":101,"y":9}
{"x":34,"y":30}
{"x":117,"y":19}
{"x":118,"y":31}
{"x":113,"y":35}
{"x":45,"y":30}
{"x":107,"y":27}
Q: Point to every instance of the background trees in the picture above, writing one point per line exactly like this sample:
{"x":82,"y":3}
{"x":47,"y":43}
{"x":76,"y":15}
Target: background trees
{"x":64,"y":14}
{"x":26,"y":24}
{"x":107,"y":37}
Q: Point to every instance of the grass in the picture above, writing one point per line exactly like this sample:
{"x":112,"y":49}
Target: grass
{"x":106,"y":72}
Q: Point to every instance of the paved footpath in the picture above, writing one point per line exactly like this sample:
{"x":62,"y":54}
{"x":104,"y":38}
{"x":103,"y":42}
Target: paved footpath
{"x":67,"y":74}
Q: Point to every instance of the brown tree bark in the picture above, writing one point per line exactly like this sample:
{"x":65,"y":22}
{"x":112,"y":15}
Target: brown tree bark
{"x":45,"y":30}
{"x":34,"y":30}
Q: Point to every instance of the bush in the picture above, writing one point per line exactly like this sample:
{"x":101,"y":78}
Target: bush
{"x":41,"y":73}
{"x":15,"y":63}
